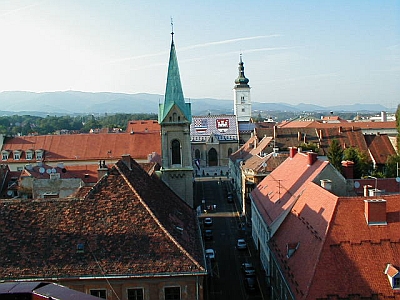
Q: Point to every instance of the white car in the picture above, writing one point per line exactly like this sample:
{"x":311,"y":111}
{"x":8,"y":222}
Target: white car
{"x":210,"y":253}
{"x":241,"y":244}
{"x":207,"y":222}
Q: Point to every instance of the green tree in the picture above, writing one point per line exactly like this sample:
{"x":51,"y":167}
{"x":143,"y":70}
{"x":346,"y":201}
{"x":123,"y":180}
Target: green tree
{"x":392,"y":163}
{"x":335,"y":154}
{"x":362,"y":165}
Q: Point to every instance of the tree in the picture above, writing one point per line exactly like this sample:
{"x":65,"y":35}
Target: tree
{"x":392,"y":163}
{"x":335,"y":154}
{"x":362,"y":164}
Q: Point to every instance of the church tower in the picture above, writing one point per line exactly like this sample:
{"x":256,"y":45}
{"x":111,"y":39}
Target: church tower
{"x":242,"y":105}
{"x":175,"y":117}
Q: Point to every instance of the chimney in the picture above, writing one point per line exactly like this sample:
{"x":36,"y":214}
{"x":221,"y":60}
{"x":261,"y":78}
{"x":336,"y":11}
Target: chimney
{"x":367,"y":187}
{"x":320,"y":134}
{"x":375,"y":211}
{"x":299,"y":136}
{"x":126,"y":158}
{"x":275,"y":132}
{"x":340,"y":129}
{"x":102,"y":170}
{"x":348,"y":169}
{"x":312,"y":158}
{"x":305,"y":138}
{"x":292,"y":151}
{"x":326,"y":184}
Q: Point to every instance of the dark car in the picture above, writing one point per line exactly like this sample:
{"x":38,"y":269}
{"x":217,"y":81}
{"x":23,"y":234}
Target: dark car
{"x":250,"y":283}
{"x":248,"y":270}
{"x":208,"y":234}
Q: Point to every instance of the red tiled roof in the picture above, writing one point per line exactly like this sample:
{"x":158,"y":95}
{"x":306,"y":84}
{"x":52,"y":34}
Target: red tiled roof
{"x":278,"y":191}
{"x":143,"y":126}
{"x":78,"y":147}
{"x":339,"y":253}
{"x":362,"y":125}
{"x":380,"y":147}
{"x":127,"y":223}
{"x":244,"y":151}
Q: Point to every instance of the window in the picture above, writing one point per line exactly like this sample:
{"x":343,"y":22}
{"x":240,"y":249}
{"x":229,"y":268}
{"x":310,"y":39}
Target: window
{"x":99,"y":293}
{"x":243,"y":110}
{"x":4,"y":156}
{"x":172,"y":293}
{"x":39,"y":154}
{"x":242,"y":100}
{"x":29,"y":155}
{"x":135,"y":294}
{"x":176,"y":152}
{"x":17,"y":156}
{"x":396,"y":282}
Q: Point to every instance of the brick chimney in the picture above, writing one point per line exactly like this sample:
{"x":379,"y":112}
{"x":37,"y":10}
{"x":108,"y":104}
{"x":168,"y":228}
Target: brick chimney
{"x":348,"y":169}
{"x":292,"y":151}
{"x":375,"y":211}
{"x":312,"y":157}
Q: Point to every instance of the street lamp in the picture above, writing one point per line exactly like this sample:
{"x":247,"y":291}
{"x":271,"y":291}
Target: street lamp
{"x":376,"y":181}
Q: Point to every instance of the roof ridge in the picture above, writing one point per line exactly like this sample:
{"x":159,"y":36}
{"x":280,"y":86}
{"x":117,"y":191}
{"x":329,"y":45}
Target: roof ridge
{"x":157,"y":220}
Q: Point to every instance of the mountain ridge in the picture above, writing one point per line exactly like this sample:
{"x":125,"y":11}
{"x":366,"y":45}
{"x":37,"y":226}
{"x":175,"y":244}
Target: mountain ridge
{"x":76,"y":102}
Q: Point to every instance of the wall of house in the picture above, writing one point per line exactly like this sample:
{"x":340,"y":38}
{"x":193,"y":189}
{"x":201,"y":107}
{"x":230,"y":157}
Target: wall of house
{"x":221,"y":148}
{"x":339,"y":185}
{"x":191,"y":287}
{"x":260,"y":236}
{"x":62,"y":187}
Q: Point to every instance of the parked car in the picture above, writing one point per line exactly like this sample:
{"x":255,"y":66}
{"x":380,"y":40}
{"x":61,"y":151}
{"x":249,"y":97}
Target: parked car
{"x":207,"y":221}
{"x":208,"y":234}
{"x":250,"y":283}
{"x":248,"y":269}
{"x":241,"y":244}
{"x":210,"y":253}
{"x":230,"y":198}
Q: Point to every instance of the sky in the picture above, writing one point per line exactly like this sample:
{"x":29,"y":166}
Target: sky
{"x":316,"y":52}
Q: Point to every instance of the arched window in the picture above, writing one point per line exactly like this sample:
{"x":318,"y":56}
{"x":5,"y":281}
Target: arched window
{"x":197,"y":154}
{"x":174,"y":117}
{"x":229,"y":152}
{"x":176,"y":152}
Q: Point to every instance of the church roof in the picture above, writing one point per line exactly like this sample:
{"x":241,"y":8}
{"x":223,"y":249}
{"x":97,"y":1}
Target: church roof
{"x":224,"y":128}
{"x":173,"y":91}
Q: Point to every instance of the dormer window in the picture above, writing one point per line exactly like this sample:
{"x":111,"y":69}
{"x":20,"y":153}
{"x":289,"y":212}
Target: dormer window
{"x":17,"y":154}
{"x":29,"y":155}
{"x":4,"y":154}
{"x":39,"y":154}
{"x":393,"y":275}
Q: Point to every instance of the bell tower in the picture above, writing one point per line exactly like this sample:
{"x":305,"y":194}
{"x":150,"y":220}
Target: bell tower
{"x":242,"y":101}
{"x":175,"y":117}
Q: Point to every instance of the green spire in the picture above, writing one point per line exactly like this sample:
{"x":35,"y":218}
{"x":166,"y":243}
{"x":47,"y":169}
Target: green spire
{"x":173,"y":91}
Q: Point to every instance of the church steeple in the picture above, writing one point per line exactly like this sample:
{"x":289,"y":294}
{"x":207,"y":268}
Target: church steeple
{"x":173,"y":91}
{"x":241,"y":80}
{"x":242,"y":101}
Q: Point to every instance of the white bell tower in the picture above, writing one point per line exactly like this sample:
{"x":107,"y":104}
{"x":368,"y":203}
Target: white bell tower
{"x":242,"y":105}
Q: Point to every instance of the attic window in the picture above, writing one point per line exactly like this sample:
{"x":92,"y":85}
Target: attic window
{"x":29,"y":155}
{"x":291,"y":248}
{"x":80,"y":248}
{"x":4,"y":155}
{"x":393,"y":275}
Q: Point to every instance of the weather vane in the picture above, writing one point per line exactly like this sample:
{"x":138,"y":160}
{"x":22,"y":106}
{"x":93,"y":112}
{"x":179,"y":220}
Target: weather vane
{"x":172,"y":26}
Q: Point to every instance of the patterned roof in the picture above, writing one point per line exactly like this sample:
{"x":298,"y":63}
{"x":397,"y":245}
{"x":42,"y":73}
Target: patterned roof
{"x":224,"y":128}
{"x":127,"y":225}
{"x":80,"y":147}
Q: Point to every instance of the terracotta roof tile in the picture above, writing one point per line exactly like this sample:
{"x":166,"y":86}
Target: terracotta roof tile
{"x":78,"y":147}
{"x":379,"y":147}
{"x":126,"y":224}
{"x":143,"y":126}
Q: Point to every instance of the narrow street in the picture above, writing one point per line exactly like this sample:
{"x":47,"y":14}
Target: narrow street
{"x":226,"y":279}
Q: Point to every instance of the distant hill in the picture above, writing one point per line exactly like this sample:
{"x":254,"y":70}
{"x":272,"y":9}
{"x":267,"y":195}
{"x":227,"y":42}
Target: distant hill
{"x":73,"y":102}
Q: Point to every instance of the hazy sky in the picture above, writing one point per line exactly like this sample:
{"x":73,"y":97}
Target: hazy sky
{"x":319,"y":52}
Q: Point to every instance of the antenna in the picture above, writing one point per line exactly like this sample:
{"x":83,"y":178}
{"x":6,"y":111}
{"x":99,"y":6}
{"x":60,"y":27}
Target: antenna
{"x":172,"y":27}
